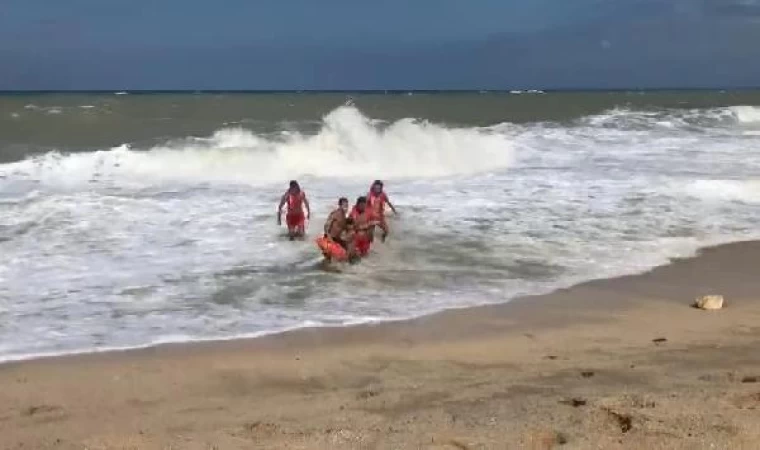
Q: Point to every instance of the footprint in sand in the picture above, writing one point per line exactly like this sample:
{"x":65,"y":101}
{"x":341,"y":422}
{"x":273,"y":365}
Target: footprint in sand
{"x":747,"y":401}
{"x":45,"y":413}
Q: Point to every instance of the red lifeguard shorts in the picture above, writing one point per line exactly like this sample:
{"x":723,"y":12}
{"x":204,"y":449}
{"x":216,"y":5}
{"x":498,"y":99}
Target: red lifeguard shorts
{"x":362,"y":244}
{"x":295,"y":220}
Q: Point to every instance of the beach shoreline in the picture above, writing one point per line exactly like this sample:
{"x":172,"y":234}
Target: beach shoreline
{"x":531,"y":304}
{"x":494,"y":376}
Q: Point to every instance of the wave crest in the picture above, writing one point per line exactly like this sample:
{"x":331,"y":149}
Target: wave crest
{"x":348,"y":145}
{"x":746,"y":114}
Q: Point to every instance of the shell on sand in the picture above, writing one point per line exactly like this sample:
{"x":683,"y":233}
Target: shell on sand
{"x":709,"y":302}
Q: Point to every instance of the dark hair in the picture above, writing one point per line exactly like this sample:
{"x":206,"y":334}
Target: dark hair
{"x":342,"y":200}
{"x":361,"y":199}
{"x":294,"y":184}
{"x":377,"y":183}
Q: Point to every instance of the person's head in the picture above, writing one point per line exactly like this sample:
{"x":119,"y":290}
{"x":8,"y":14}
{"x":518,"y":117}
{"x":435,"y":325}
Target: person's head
{"x":343,"y":204}
{"x":294,"y":187}
{"x":377,"y":187}
{"x":361,"y":204}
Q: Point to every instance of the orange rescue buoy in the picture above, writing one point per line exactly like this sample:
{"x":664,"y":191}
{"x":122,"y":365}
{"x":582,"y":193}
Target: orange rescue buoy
{"x":331,"y":249}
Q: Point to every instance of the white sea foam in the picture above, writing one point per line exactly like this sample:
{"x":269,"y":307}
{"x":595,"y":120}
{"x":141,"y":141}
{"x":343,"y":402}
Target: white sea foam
{"x":744,"y":191}
{"x":51,"y":110}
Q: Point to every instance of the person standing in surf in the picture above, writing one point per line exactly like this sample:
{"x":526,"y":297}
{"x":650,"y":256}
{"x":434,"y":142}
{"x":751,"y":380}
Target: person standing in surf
{"x":376,"y":200}
{"x":295,"y":219}
{"x":363,"y":222}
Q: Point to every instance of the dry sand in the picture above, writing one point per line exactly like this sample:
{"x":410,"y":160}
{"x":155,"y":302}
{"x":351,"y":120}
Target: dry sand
{"x":622,"y":363}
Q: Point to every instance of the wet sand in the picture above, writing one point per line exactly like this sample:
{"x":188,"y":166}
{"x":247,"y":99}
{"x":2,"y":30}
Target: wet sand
{"x":620,"y":363}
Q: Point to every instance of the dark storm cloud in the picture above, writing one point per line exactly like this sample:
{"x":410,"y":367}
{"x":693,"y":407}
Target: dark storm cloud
{"x":397,"y":44}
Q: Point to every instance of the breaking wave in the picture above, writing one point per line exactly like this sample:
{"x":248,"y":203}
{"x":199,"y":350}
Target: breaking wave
{"x":347,"y":145}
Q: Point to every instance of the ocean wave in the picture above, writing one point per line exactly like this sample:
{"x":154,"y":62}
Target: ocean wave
{"x":31,"y":109}
{"x":692,"y":119}
{"x":44,"y":109}
{"x":746,"y":114}
{"x":347,"y":145}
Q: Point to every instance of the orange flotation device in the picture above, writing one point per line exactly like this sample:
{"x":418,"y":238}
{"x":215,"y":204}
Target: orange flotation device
{"x":332,"y":249}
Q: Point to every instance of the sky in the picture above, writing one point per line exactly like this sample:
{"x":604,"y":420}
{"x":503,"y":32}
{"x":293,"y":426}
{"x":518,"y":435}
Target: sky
{"x":388,"y":44}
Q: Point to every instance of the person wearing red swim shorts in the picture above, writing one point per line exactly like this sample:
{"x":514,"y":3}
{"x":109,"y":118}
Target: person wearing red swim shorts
{"x":295,"y":219}
{"x":376,"y":201}
{"x":362,"y":223}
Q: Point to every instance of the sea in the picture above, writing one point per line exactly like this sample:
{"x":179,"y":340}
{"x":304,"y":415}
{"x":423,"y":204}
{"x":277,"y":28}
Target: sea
{"x":130,"y":219}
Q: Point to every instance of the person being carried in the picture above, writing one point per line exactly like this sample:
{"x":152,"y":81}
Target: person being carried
{"x":348,"y":236}
{"x":363,"y":222}
{"x":340,"y":229}
{"x":376,"y":200}
{"x":295,"y":219}
{"x":344,"y":239}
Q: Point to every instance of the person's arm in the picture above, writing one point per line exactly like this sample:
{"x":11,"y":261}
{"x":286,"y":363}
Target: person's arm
{"x":388,"y":201}
{"x":279,"y":209}
{"x":308,"y":208}
{"x":329,"y":223}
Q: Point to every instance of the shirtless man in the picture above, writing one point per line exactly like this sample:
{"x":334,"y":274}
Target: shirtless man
{"x":295,"y":198}
{"x":336,"y":223}
{"x":376,"y":200}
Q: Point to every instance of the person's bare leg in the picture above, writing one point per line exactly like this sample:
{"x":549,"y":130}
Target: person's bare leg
{"x":384,"y":227}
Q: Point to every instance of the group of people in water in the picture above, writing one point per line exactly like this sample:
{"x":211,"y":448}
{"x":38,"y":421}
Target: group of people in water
{"x":353,"y":232}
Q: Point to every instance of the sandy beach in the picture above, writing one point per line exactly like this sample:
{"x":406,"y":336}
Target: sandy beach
{"x":621,"y":363}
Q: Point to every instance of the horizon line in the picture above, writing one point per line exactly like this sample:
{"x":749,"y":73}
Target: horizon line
{"x":375,"y":91}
